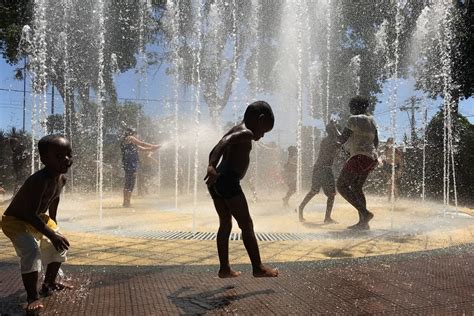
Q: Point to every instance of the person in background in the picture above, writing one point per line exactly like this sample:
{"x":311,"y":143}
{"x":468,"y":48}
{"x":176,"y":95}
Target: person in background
{"x":130,"y":145}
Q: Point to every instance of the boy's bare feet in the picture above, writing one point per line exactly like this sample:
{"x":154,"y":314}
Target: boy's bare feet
{"x":224,"y":274}
{"x":329,"y":221}
{"x":49,"y":289}
{"x":360,"y":226}
{"x":265,"y":272}
{"x":34,"y":306}
{"x":368,"y":216}
{"x":301,"y":218}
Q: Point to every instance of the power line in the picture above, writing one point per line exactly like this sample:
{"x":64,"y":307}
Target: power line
{"x":125,"y":99}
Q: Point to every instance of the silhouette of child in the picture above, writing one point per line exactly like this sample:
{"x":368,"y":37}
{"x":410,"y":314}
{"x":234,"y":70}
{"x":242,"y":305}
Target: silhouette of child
{"x":323,"y":176}
{"x":223,"y":181}
{"x":34,"y":234}
{"x":361,"y":136}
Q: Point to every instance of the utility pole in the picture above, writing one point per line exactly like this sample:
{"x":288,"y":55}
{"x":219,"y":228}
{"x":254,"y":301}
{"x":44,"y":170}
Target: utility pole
{"x":411,"y":105}
{"x":24,"y":92}
{"x":52,"y":99}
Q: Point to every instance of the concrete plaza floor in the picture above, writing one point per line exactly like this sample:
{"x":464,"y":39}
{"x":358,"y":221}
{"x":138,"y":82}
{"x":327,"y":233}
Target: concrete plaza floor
{"x":417,"y":259}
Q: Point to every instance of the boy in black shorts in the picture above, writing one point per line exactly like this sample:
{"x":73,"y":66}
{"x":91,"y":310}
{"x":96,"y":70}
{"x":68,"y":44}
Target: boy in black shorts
{"x":323,"y":176}
{"x":223,"y":181}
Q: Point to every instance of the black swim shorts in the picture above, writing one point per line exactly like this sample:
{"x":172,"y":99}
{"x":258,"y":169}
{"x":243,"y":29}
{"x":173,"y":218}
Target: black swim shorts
{"x":323,"y":178}
{"x":227,"y":185}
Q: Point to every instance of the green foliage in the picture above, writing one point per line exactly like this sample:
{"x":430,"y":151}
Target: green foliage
{"x":463,"y":139}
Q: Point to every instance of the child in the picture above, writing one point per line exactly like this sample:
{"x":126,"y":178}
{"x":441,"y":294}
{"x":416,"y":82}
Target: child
{"x":289,"y":172}
{"x":130,"y":160}
{"x":322,"y":175}
{"x":223,"y":181}
{"x":34,"y":234}
{"x":361,"y":136}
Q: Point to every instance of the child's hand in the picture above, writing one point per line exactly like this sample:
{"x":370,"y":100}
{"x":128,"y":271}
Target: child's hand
{"x":211,"y":176}
{"x":60,"y":242}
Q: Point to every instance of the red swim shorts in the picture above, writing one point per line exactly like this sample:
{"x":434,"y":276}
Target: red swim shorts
{"x":359,"y":164}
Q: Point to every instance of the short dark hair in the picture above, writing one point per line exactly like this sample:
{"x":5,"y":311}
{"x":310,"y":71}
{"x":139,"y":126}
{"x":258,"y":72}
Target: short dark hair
{"x":46,"y":142}
{"x":130,"y":131}
{"x":259,"y":107}
{"x":359,"y":103}
{"x":292,"y":150}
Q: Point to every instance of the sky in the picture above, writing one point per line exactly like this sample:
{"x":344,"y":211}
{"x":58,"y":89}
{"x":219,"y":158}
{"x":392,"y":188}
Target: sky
{"x":157,"y":89}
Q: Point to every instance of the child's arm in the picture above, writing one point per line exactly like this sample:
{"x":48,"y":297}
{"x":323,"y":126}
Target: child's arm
{"x":142,"y":144}
{"x":376,"y":139}
{"x":341,"y":137}
{"x":53,"y":209}
{"x":36,"y":189}
{"x":218,"y":150}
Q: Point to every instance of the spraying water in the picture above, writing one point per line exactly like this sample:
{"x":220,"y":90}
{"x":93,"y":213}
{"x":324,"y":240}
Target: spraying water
{"x":100,"y":107}
{"x":197,"y":100}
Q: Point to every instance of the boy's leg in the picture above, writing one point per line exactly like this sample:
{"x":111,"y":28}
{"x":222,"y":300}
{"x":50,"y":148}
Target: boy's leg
{"x":305,"y":201}
{"x":225,"y":227}
{"x":30,"y":281}
{"x":345,"y":184}
{"x":289,"y":193}
{"x":50,"y":284}
{"x":358,"y":186}
{"x":329,"y":205}
{"x":329,"y":189}
{"x":239,"y":209}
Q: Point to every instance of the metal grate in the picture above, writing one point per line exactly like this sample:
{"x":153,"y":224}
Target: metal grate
{"x":187,"y":235}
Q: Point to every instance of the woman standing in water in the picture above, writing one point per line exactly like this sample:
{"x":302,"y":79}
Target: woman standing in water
{"x":130,"y":146}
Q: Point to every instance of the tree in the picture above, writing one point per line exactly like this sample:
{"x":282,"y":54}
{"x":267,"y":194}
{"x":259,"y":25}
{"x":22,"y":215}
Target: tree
{"x":445,"y":63}
{"x":463,"y":136}
{"x":67,"y":56}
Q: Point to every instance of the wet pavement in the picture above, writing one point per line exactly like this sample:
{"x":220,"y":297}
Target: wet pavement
{"x":424,"y":283}
{"x":426,"y":267}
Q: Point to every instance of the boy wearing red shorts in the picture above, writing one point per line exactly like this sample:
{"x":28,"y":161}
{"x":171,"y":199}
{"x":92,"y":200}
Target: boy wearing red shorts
{"x":361,"y":138}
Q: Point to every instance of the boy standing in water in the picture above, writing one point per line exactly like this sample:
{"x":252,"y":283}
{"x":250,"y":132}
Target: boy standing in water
{"x":322,"y":175}
{"x":361,"y":136}
{"x":223,"y":181}
{"x":34,"y":234}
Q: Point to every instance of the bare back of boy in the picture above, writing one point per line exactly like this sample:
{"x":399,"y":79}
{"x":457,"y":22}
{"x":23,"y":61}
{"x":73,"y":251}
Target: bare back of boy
{"x":36,"y":195}
{"x":237,"y":155}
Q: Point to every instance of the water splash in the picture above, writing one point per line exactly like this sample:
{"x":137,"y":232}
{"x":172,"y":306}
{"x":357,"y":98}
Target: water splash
{"x":100,"y":105}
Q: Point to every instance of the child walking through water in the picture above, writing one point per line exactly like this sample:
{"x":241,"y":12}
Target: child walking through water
{"x":223,"y":181}
{"x":361,"y":136}
{"x":322,"y":175}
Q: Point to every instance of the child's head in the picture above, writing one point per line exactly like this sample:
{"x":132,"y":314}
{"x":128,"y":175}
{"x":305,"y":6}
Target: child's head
{"x":130,"y":132}
{"x":55,"y":153}
{"x":358,"y":105}
{"x":292,"y":151}
{"x":389,"y":141}
{"x":259,"y":118}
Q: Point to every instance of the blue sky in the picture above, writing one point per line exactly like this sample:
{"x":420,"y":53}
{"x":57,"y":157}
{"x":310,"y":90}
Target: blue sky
{"x":158,"y":89}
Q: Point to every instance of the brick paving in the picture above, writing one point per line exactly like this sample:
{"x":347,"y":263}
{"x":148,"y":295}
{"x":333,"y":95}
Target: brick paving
{"x":437,"y":282}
